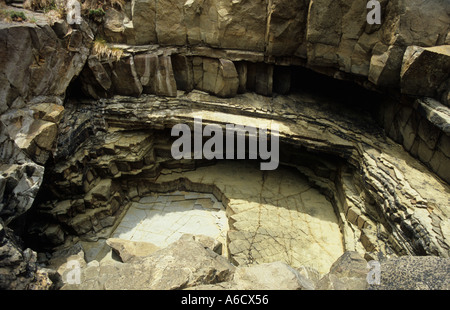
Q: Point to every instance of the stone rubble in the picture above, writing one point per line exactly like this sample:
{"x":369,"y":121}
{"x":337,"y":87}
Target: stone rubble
{"x":189,"y":264}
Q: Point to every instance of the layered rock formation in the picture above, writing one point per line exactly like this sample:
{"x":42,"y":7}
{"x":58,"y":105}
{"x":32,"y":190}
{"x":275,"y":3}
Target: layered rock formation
{"x":333,"y":36}
{"x":343,"y":185}
{"x":203,"y":269}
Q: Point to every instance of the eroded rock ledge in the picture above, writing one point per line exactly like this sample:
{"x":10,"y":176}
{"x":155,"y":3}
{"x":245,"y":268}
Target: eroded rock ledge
{"x":106,"y":153}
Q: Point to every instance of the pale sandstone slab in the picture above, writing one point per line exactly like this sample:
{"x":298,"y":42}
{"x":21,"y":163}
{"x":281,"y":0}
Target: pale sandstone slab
{"x":275,"y":215}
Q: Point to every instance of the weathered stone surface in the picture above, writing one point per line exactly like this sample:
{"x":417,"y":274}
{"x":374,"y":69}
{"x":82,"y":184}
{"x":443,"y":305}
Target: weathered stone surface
{"x":260,"y":78}
{"x":344,"y":40}
{"x":32,"y":57}
{"x":128,"y":250}
{"x":114,"y":27}
{"x":125,"y":79}
{"x":425,"y":71}
{"x":170,"y":27}
{"x":163,"y":218}
{"x":96,"y":79}
{"x":392,"y":182}
{"x":332,"y":36}
{"x":349,"y":272}
{"x":217,"y":23}
{"x":20,"y":179}
{"x":272,"y":218}
{"x":286,"y":31}
{"x":270,"y":276}
{"x":414,"y":273}
{"x":183,"y":264}
{"x":219,"y":77}
{"x":34,"y":130}
{"x":143,"y":15}
{"x":383,"y":201}
{"x":156,"y":74}
{"x":183,"y":72}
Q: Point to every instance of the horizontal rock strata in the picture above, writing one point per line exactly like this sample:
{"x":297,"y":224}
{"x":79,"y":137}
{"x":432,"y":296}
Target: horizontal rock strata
{"x":376,"y":190}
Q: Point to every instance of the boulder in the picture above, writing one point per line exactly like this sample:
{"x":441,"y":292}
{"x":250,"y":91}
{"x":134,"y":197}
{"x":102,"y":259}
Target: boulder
{"x":352,"y":272}
{"x":20,"y":179}
{"x":216,"y":76}
{"x":18,"y":267}
{"x":32,"y":134}
{"x":33,"y":57}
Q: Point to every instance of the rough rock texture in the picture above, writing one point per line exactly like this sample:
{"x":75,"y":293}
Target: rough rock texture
{"x":128,"y":250}
{"x":162,"y":218}
{"x":269,"y":276}
{"x":423,"y":130}
{"x":333,"y":36}
{"x":18,"y":268}
{"x":414,"y":273}
{"x":420,"y":75}
{"x":375,"y":198}
{"x":34,"y":129}
{"x":20,"y":179}
{"x":382,"y":200}
{"x":183,"y":264}
{"x":348,"y":272}
{"x":174,"y":267}
{"x":271,"y":220}
{"x":33,"y":56}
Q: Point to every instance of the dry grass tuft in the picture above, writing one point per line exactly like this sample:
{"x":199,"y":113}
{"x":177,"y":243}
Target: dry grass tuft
{"x":102,"y":50}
